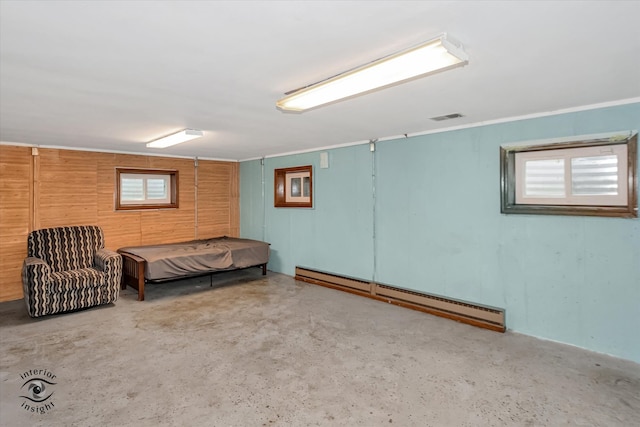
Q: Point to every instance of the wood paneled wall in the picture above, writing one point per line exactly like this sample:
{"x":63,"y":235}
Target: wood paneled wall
{"x":15,"y":217}
{"x":67,"y":187}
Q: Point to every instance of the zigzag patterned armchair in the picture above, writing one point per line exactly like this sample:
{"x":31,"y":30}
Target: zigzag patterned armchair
{"x":68,"y":268}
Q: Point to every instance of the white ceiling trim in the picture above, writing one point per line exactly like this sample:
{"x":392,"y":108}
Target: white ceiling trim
{"x":129,"y":153}
{"x":466,"y":126}
{"x":350,"y":144}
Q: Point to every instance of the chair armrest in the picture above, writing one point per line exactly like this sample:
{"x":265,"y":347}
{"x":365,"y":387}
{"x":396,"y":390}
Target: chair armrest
{"x":110,"y":263}
{"x":35,"y":278}
{"x":106,"y":260}
{"x":35,"y":272}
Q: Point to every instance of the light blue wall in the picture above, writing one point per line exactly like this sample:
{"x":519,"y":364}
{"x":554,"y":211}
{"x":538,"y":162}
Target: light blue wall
{"x":336,"y":235}
{"x":439,"y":229}
{"x":251,"y":200}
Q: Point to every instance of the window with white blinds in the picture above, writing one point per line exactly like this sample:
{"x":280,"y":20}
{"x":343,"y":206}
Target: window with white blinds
{"x":146,"y":189}
{"x":594,"y":176}
{"x":574,"y":176}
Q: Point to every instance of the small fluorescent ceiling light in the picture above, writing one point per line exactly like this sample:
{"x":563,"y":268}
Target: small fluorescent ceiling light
{"x":435,"y":55}
{"x":176,"y":138}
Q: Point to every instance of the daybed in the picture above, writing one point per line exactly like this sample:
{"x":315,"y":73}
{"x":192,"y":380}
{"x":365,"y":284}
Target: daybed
{"x":68,"y":268}
{"x":159,"y":263}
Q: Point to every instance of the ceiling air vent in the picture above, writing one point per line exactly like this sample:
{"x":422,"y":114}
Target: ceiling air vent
{"x":447,"y":117}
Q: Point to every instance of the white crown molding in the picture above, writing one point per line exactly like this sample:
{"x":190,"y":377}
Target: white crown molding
{"x":131,"y":153}
{"x":466,"y":126}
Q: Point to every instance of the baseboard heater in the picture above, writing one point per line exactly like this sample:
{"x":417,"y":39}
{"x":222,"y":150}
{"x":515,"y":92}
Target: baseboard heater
{"x":474,"y":314}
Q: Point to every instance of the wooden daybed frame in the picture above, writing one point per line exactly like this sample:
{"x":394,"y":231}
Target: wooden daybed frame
{"x":182,"y":260}
{"x":133,"y":273}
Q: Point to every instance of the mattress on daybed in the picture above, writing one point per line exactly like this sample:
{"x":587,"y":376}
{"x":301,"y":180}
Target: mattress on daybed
{"x":174,"y":260}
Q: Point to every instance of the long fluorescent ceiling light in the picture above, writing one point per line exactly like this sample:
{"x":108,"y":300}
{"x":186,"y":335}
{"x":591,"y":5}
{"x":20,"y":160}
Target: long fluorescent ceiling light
{"x":435,"y":55}
{"x":176,"y":138}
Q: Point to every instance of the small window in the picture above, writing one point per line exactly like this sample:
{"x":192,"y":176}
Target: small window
{"x":293,"y":187}
{"x":146,"y":189}
{"x":587,"y":177}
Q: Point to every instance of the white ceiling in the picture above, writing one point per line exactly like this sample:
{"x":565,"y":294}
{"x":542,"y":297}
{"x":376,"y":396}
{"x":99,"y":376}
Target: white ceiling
{"x":115,"y":75}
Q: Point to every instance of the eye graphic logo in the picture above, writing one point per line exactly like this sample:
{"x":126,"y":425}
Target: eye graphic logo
{"x":37,"y":390}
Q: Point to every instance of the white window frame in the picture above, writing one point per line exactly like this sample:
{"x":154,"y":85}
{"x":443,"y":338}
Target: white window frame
{"x":623,"y":204}
{"x":567,"y":154}
{"x":302,"y":197}
{"x":171,"y":182}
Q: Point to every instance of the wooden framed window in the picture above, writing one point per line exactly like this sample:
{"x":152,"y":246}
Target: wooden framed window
{"x":593,"y":177}
{"x":146,"y":189}
{"x":293,"y":187}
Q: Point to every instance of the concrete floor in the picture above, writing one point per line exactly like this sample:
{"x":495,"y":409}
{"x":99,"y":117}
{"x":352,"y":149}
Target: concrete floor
{"x":275,"y":352}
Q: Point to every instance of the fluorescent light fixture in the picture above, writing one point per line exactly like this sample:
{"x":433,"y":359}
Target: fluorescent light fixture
{"x":176,"y":138}
{"x":435,"y":55}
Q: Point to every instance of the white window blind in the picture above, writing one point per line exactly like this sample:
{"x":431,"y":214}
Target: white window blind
{"x":131,"y":189}
{"x":544,"y":178}
{"x":157,"y":189}
{"x":594,"y":176}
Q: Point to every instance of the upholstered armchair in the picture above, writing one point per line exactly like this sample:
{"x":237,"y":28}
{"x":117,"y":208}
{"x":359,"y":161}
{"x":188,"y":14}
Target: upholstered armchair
{"x":68,"y":268}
